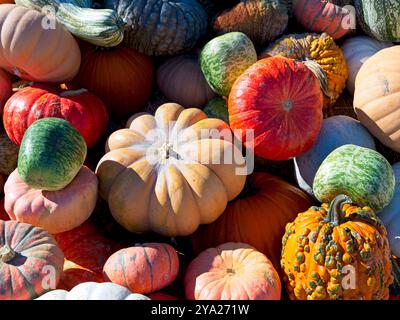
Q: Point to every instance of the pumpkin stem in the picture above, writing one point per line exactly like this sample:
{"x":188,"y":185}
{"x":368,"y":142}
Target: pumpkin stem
{"x":72,"y":92}
{"x":335,"y":213}
{"x":6,"y":253}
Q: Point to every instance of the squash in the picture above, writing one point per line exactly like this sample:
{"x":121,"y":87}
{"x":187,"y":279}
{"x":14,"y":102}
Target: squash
{"x":224,"y":58}
{"x":8,"y":155}
{"x":144,"y":268}
{"x":102,"y":27}
{"x":51,"y":154}
{"x":237,"y":272}
{"x":361,"y":173}
{"x":161,"y":27}
{"x":5,"y":89}
{"x":335,"y":132}
{"x":390,"y":216}
{"x":217,"y":108}
{"x":6,"y":1}
{"x":337,"y":251}
{"x":324,"y":16}
{"x":356,"y":51}
{"x":2,"y":180}
{"x":32,"y":52}
{"x":377,"y":96}
{"x":258,"y":217}
{"x":93,"y":291}
{"x":55,"y":211}
{"x":121,"y":77}
{"x":30,"y":261}
{"x":261,"y":20}
{"x":379,"y":19}
{"x":320,"y":53}
{"x":82,"y":109}
{"x":180,"y":80}
{"x":281,"y":101}
{"x":86,"y":250}
{"x":193,"y":182}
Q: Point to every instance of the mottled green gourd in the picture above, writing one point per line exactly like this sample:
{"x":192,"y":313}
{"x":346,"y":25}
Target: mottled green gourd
{"x":51,"y":154}
{"x":217,"y":108}
{"x":360,"y":173}
{"x":225,"y":58}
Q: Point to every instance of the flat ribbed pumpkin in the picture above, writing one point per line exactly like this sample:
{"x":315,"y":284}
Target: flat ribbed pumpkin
{"x":168,"y":174}
{"x":280,"y":99}
{"x":320,"y":53}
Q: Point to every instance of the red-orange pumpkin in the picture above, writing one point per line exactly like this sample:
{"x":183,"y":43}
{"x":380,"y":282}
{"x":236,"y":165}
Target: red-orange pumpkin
{"x":121,"y":77}
{"x":5,"y":88}
{"x":144,"y":268}
{"x":258,"y":217}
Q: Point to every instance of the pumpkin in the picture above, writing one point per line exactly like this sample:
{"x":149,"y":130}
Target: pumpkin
{"x":161,"y":296}
{"x":93,"y":291}
{"x":193,"y":182}
{"x":6,"y":1}
{"x":2,"y":180}
{"x":82,"y":109}
{"x":217,"y":108}
{"x":224,"y":58}
{"x":379,"y":19}
{"x":180,"y":80}
{"x":5,"y":89}
{"x":102,"y":27}
{"x":281,"y":101}
{"x":237,"y":272}
{"x":30,"y":261}
{"x":261,"y":20}
{"x":32,"y":52}
{"x":337,"y":251}
{"x":324,"y":16}
{"x":161,"y":27}
{"x":356,"y":51}
{"x":8,"y":154}
{"x":336,"y":131}
{"x":377,"y":98}
{"x":86,"y":250}
{"x":390,"y":216}
{"x":144,"y":268}
{"x":361,"y":173}
{"x":258,"y":217}
{"x":320,"y":53}
{"x":121,"y":77}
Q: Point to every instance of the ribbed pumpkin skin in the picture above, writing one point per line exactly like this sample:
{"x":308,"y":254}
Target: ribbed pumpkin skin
{"x":237,"y":271}
{"x":361,"y":173}
{"x":144,"y":268}
{"x":323,"y":16}
{"x":261,"y":20}
{"x":51,"y":154}
{"x":357,"y":51}
{"x":315,"y":250}
{"x":121,"y":77}
{"x":320,"y":53}
{"x":180,"y":79}
{"x":258,"y":219}
{"x":35,"y":53}
{"x":55,"y":211}
{"x":280,"y":99}
{"x":85,"y":111}
{"x":8,"y":154}
{"x":377,"y":96}
{"x":5,"y":89}
{"x":22,"y":276}
{"x":379,"y":19}
{"x":161,"y":27}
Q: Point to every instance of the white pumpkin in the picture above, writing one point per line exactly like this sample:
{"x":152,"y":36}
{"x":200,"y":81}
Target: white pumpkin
{"x":356,"y":51}
{"x":94,"y":291}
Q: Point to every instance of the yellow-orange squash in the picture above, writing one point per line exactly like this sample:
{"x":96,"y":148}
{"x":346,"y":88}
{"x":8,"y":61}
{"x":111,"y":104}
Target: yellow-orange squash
{"x":166,"y":173}
{"x":337,"y":251}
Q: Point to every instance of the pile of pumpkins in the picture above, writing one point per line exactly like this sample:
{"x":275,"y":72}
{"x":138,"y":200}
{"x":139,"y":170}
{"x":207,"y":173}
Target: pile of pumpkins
{"x":110,"y":188}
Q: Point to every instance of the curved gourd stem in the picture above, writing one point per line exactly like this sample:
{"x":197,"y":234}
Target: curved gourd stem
{"x":335,"y":213}
{"x":6,"y":253}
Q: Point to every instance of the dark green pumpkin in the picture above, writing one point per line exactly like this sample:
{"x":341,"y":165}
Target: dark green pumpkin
{"x":51,"y":154}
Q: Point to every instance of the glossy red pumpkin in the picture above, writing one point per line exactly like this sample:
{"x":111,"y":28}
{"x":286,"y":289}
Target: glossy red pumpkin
{"x":85,"y":111}
{"x":281,"y":100}
{"x":5,"y":88}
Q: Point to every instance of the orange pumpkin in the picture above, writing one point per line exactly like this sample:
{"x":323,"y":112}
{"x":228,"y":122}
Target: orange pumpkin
{"x":236,"y":271}
{"x":258,"y":217}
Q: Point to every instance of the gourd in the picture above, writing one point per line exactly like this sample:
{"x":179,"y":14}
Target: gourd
{"x":337,"y":251}
{"x":8,"y":155}
{"x":217,"y":108}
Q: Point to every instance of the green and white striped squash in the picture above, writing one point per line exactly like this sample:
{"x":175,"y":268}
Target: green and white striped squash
{"x":361,"y":173}
{"x":51,"y":154}
{"x":101,"y":27}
